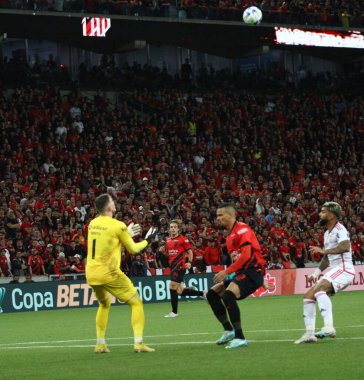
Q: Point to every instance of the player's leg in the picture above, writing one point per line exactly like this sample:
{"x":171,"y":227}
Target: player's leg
{"x":124,"y":290}
{"x":242,"y":286}
{"x":176,"y":282}
{"x":309,"y":317}
{"x":334,"y":281}
{"x":323,"y":290}
{"x":137,"y":322}
{"x":102,"y":317}
{"x":173,"y":286}
{"x":230,"y":297}
{"x":182,"y":291}
{"x":214,"y":299}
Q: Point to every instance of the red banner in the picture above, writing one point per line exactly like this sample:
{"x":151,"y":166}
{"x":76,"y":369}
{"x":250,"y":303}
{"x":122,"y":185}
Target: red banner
{"x":295,"y":281}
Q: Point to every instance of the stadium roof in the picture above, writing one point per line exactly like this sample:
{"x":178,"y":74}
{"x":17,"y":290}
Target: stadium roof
{"x":220,"y":38}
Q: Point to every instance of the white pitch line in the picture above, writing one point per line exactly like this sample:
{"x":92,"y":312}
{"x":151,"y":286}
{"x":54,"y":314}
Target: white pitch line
{"x":163,"y":344}
{"x":158,"y":336}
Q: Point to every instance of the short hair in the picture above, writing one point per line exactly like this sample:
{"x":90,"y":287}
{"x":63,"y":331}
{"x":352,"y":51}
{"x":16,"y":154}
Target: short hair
{"x":101,"y":202}
{"x":176,"y":221}
{"x":333,"y":207}
{"x":228,"y":207}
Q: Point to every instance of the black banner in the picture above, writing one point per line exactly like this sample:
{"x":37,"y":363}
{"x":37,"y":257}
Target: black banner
{"x":70,"y":294}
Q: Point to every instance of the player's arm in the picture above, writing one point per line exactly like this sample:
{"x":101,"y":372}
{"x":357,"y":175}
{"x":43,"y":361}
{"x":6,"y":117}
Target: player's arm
{"x":343,"y":246}
{"x":127,"y":241}
{"x":324,"y":263}
{"x":189,"y":259}
{"x":245,"y":254}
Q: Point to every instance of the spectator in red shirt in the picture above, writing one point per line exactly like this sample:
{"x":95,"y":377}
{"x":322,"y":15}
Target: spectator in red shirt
{"x":78,"y":265}
{"x":285,"y":252}
{"x":4,"y":264}
{"x":62,"y":265}
{"x":36,"y":264}
{"x":212,"y":253}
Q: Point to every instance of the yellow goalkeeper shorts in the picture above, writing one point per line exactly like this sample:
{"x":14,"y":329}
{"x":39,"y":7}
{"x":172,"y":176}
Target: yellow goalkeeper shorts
{"x":121,"y":288}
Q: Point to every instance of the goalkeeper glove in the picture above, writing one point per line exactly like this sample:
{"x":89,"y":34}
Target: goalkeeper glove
{"x":149,"y":236}
{"x":134,"y":229}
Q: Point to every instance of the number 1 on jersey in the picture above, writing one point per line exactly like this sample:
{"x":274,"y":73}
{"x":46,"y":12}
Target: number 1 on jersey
{"x":93,"y":248}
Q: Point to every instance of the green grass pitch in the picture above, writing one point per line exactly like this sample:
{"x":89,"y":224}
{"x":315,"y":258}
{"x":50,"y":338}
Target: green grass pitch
{"x":59,"y":344}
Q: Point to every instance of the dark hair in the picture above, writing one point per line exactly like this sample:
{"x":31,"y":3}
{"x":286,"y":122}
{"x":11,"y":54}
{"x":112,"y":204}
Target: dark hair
{"x":228,"y":208}
{"x":101,"y":202}
{"x":226,"y":205}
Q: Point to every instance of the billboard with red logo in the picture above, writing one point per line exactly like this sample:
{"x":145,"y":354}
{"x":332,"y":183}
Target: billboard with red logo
{"x":295,"y":281}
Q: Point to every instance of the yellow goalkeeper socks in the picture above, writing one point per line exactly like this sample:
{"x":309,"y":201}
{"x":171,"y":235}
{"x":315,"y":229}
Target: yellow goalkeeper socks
{"x":102,"y":318}
{"x":137,"y":317}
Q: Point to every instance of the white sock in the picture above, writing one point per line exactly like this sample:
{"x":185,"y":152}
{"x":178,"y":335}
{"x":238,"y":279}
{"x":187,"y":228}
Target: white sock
{"x":325,"y":307}
{"x":138,"y":340}
{"x":101,"y":341}
{"x":309,"y":315}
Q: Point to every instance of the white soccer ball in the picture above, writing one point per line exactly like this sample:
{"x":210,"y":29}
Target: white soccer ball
{"x":252,"y":16}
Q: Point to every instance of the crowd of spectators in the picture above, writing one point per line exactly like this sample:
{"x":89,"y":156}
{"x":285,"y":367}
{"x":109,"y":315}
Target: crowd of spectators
{"x":276,"y":156}
{"x":15,"y":71}
{"x":306,"y":12}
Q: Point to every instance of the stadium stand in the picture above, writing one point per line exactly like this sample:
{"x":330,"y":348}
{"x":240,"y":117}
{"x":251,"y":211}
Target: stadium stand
{"x":314,"y":12}
{"x":276,"y":156}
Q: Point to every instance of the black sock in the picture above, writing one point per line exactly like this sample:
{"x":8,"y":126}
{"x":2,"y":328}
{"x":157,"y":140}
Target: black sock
{"x":191,"y":292}
{"x":234,"y":313}
{"x":219,"y":310}
{"x":174,"y":300}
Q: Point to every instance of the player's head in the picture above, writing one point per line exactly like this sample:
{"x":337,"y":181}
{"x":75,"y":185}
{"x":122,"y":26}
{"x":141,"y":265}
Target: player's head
{"x":225,"y":216}
{"x":175,"y":226}
{"x":330,"y":212}
{"x":104,"y":204}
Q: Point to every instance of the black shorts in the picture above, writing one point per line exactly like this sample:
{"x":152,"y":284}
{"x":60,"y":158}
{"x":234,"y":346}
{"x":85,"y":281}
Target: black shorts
{"x":178,"y":275}
{"x":248,"y":281}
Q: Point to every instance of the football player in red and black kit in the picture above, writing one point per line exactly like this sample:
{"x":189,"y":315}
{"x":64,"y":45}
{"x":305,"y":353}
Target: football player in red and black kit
{"x":180,"y":255}
{"x":239,"y":280}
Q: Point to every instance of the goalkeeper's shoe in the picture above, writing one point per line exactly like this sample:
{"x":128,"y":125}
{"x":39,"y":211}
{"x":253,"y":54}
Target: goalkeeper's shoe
{"x":141,"y":347}
{"x":101,"y":349}
{"x":306,"y":338}
{"x":326,"y":332}
{"x":227,"y":336}
{"x":236,"y":343}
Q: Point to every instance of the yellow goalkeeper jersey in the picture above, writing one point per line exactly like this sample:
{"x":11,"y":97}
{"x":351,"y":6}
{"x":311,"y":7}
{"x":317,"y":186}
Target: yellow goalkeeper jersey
{"x":106,"y":236}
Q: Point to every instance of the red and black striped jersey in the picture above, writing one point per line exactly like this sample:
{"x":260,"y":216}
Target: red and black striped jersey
{"x":176,"y":250}
{"x":239,"y":239}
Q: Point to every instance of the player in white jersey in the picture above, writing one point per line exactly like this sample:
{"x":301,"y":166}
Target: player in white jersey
{"x":337,"y":257}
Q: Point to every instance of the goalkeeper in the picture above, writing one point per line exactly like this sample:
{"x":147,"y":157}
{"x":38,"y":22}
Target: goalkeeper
{"x":106,"y":236}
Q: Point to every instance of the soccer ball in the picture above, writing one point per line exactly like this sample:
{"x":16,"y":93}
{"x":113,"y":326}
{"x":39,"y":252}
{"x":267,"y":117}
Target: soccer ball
{"x":252,"y":16}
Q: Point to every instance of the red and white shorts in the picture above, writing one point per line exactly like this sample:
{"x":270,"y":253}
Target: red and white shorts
{"x":340,"y":278}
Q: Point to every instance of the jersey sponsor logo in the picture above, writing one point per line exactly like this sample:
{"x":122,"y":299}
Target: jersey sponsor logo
{"x":242,"y":231}
{"x":93,"y":227}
